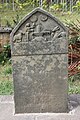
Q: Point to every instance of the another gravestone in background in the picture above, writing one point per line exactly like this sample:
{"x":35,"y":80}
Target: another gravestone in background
{"x":39,"y":57}
{"x":4,"y":36}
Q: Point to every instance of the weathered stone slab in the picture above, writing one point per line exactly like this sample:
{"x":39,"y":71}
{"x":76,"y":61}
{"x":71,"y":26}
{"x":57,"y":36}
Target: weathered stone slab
{"x":39,"y":57}
{"x":40,"y":83}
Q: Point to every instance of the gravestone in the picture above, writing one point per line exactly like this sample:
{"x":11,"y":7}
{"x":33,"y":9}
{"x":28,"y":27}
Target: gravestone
{"x":40,"y":64}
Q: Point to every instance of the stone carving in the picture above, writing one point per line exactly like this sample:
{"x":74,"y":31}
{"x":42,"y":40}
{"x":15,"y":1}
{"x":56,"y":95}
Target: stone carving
{"x":31,"y":32}
{"x":39,"y":59}
{"x":34,"y":18}
{"x":40,"y":34}
{"x":43,"y":18}
{"x":36,"y":30}
{"x":17,"y":38}
{"x":27,"y":30}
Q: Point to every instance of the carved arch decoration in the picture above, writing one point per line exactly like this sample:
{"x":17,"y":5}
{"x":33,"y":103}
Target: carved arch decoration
{"x":39,"y":30}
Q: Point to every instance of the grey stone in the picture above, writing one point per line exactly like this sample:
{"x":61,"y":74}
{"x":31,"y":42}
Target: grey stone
{"x":7,"y":108}
{"x":6,"y":98}
{"x":40,"y":64}
{"x":78,"y":98}
{"x":75,"y":97}
{"x":58,"y":117}
{"x":74,"y":104}
{"x":74,"y":101}
{"x":6,"y":113}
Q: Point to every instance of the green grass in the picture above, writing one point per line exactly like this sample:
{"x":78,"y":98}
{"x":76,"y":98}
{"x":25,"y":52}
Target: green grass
{"x":6,"y":87}
{"x":74,"y":84}
{"x":10,"y":15}
{"x":74,"y":87}
{"x":6,"y":72}
{"x":69,"y":17}
{"x":6,"y":83}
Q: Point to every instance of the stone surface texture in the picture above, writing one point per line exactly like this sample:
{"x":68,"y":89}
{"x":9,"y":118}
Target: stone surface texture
{"x":7,"y":111}
{"x":39,"y":58}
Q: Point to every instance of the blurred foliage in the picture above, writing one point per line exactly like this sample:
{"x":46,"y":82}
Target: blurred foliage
{"x":77,"y":6}
{"x":56,"y":7}
{"x":6,"y":87}
{"x":74,"y":77}
{"x":5,"y":55}
{"x":74,"y":84}
{"x":6,"y":83}
{"x":74,"y":31}
{"x":74,"y":56}
{"x":15,"y":21}
{"x":7,"y":70}
{"x":74,"y":89}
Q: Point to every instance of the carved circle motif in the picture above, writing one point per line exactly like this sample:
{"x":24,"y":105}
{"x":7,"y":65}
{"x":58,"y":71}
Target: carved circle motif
{"x":34,"y":18}
{"x":43,"y":18}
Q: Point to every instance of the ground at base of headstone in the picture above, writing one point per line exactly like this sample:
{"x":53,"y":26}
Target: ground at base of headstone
{"x":7,"y":110}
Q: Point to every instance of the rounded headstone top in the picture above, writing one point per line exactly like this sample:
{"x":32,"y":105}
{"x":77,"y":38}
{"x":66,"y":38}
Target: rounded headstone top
{"x":39,"y":33}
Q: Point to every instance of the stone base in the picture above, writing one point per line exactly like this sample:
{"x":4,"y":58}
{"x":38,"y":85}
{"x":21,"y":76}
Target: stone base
{"x":7,"y":111}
